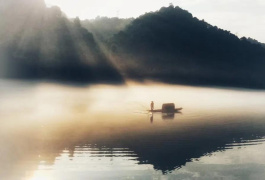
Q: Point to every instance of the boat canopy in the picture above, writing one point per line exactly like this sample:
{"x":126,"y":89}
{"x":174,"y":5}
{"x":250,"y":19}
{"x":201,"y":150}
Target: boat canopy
{"x":168,"y":108}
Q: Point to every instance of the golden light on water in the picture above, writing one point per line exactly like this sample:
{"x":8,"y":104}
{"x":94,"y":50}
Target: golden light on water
{"x":51,"y":125}
{"x":49,"y":101}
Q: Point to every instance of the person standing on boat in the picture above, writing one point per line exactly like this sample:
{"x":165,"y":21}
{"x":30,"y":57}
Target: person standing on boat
{"x":152,"y":105}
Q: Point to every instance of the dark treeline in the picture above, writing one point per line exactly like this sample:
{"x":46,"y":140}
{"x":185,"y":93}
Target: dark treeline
{"x":37,"y":42}
{"x":171,"y":45}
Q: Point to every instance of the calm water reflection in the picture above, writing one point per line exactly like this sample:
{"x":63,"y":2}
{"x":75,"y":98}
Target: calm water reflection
{"x":104,"y":132}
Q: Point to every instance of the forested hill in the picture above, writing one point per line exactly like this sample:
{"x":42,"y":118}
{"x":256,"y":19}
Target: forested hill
{"x":171,"y":45}
{"x":37,"y":42}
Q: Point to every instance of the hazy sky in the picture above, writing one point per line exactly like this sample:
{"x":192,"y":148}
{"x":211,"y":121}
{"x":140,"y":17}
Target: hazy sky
{"x":241,"y":17}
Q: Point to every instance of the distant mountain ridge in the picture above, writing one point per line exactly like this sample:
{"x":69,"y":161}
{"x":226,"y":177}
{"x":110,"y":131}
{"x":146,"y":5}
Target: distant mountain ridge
{"x":104,"y":27}
{"x":171,"y":45}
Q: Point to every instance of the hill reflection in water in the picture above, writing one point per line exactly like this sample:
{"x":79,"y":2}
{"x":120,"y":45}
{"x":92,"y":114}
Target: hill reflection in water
{"x":61,"y":132}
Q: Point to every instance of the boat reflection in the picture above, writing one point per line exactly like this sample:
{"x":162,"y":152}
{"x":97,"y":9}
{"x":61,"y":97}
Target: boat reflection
{"x":164,"y":116}
{"x":168,"y":116}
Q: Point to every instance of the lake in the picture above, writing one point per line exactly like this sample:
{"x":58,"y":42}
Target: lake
{"x":50,"y":131}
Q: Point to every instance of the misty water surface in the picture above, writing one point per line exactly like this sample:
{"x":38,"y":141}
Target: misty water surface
{"x":51,"y":131}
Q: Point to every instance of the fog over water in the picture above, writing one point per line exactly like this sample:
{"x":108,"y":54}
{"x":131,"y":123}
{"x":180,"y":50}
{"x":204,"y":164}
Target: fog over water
{"x":101,"y":98}
{"x":51,"y":131}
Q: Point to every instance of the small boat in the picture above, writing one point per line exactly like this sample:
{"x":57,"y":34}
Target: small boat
{"x":167,"y":108}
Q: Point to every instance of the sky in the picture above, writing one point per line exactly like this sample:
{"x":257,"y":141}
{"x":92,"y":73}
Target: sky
{"x":240,"y":17}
